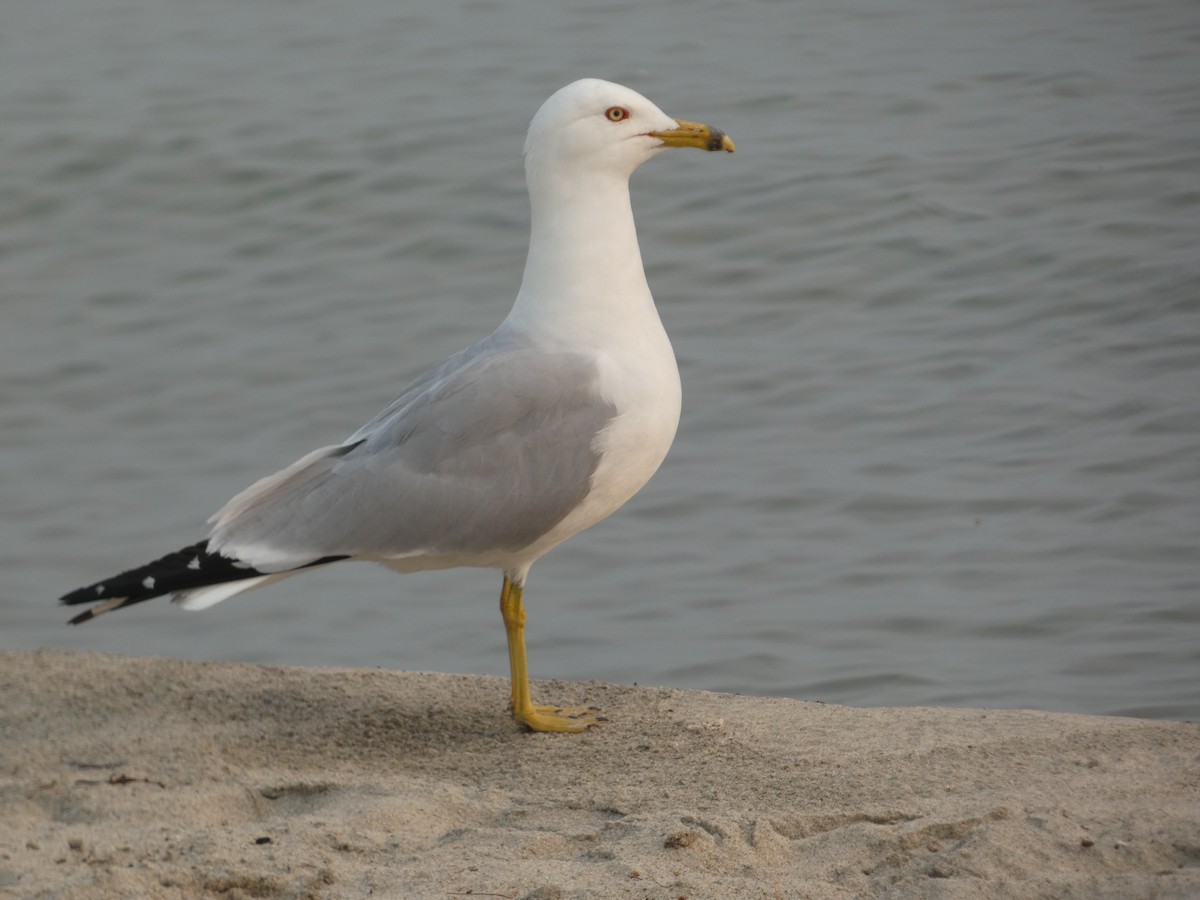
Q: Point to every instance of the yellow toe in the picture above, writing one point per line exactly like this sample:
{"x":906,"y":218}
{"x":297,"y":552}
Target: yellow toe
{"x":571,"y":719}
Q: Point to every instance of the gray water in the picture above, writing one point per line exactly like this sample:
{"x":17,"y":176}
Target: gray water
{"x":938,"y":322}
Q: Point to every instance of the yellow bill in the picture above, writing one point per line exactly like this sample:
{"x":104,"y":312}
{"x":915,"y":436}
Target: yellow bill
{"x":695,"y":134}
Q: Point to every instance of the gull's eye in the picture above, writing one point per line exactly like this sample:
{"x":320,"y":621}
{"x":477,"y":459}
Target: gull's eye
{"x":616,"y":113}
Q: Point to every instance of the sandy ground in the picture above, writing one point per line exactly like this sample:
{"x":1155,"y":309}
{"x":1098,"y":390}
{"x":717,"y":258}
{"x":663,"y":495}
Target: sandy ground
{"x":148,"y":777}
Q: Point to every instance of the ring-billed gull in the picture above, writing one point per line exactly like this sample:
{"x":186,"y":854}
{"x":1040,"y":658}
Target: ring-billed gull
{"x":510,"y":446}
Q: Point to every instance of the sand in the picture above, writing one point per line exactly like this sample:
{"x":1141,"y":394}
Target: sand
{"x":144,"y":777}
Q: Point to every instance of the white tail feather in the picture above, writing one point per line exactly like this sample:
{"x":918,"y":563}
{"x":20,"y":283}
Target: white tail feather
{"x":203,"y":598}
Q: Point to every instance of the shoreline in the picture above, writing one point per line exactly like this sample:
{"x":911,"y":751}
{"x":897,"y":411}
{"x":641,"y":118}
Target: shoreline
{"x":156,"y":777}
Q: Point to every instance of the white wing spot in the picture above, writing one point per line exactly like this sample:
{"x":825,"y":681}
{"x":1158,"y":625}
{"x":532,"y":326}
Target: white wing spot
{"x":148,"y":582}
{"x":195,"y":563}
{"x":99,"y":590}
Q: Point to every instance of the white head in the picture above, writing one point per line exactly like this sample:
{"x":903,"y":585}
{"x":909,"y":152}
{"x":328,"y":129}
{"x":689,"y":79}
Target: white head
{"x":584,"y":273}
{"x":592,"y":125}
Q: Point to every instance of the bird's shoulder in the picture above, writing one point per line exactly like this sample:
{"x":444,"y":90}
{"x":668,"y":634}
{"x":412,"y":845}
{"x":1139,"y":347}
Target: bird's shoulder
{"x":488,"y":386}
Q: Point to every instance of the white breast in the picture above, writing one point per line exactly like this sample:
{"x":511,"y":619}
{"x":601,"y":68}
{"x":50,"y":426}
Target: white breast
{"x":644,"y":388}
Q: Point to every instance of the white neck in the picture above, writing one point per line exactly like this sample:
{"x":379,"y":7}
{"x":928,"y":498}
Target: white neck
{"x":583,"y":276}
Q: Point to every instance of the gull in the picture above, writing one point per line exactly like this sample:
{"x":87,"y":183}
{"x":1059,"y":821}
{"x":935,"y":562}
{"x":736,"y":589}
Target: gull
{"x":507,"y":448}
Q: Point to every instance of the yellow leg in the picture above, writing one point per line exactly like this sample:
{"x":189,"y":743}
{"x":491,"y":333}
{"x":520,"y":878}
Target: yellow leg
{"x":535,"y":718}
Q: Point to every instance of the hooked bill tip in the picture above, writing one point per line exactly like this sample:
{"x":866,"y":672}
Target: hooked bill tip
{"x":720,"y":141}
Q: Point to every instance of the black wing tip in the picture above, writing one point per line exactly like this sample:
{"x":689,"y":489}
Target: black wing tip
{"x":82,"y":595}
{"x":82,"y":617}
{"x":102,"y":606}
{"x":176,"y":572}
{"x":133,"y":586}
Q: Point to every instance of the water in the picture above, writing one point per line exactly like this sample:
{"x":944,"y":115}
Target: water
{"x":938,"y":323}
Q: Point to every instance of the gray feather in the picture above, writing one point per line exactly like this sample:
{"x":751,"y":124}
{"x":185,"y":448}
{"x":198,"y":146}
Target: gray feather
{"x":485,"y":453}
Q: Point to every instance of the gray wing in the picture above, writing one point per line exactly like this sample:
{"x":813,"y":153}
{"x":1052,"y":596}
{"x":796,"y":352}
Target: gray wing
{"x":487,"y":452}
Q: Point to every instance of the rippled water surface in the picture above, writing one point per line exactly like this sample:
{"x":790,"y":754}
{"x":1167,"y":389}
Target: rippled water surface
{"x":938,"y":322}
